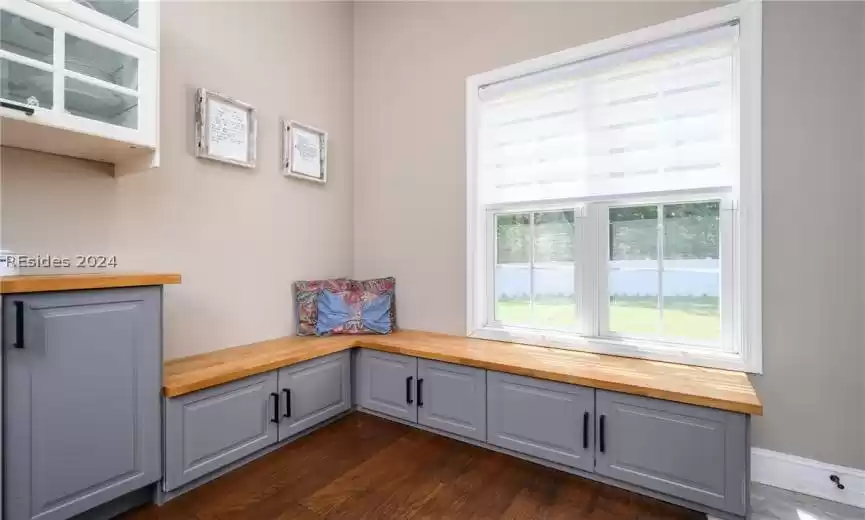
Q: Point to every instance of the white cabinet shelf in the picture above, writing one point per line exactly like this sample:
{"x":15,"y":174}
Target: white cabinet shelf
{"x":72,"y":88}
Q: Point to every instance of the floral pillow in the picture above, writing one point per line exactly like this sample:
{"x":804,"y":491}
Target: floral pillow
{"x":307,"y":294}
{"x":355,"y":311}
{"x":306,"y":301}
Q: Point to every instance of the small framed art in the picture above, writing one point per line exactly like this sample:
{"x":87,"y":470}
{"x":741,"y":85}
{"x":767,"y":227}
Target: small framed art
{"x":304,"y":152}
{"x":225,"y":129}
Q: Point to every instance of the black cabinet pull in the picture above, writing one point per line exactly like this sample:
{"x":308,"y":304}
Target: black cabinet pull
{"x":19,"y":325}
{"x":420,"y":392}
{"x":408,"y":390}
{"x":287,"y":393}
{"x":585,"y":430}
{"x":602,"y":437}
{"x":14,"y":106}
{"x":275,"y":418}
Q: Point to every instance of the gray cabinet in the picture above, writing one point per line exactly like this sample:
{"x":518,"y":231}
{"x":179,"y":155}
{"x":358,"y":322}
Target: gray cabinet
{"x":691,"y":452}
{"x":82,"y":391}
{"x":313,"y":391}
{"x":544,"y":419}
{"x":452,"y":398}
{"x":386,"y":383}
{"x":211,"y":428}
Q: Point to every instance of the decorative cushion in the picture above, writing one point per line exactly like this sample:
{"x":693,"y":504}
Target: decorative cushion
{"x":355,"y":311}
{"x":306,"y":301}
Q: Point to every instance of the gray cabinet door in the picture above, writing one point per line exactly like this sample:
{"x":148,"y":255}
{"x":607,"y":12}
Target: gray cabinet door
{"x":211,"y":428}
{"x":545,"y":419}
{"x":386,"y":383}
{"x":313,"y":391}
{"x":452,"y":398}
{"x":691,"y":452}
{"x":82,"y":418}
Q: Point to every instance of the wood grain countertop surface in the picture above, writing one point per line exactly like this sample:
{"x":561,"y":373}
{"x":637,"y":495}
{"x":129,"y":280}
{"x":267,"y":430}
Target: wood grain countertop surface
{"x":31,"y":283}
{"x":719,"y":389}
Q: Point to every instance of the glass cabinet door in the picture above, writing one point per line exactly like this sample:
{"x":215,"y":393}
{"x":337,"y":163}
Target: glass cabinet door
{"x":26,"y":61}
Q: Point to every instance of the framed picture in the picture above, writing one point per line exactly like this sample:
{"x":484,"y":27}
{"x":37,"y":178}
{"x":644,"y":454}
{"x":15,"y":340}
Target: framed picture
{"x":225,"y":129}
{"x":304,"y":152}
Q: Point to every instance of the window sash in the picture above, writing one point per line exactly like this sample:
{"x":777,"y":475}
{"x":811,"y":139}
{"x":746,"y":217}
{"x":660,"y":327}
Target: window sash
{"x":591,"y":264}
{"x":726,"y":257}
{"x":580,"y":244}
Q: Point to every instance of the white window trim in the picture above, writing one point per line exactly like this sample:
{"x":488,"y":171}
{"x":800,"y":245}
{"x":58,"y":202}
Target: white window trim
{"x":747,"y":223}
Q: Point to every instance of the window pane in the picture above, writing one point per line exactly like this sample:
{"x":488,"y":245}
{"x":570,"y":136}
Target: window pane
{"x":513,"y":239}
{"x":692,"y":272}
{"x":692,"y":308}
{"x":555,"y":305}
{"x":633,"y":271}
{"x":691,"y":231}
{"x":634,"y":233}
{"x":554,"y":236}
{"x":513,"y":285}
{"x":633,"y":299}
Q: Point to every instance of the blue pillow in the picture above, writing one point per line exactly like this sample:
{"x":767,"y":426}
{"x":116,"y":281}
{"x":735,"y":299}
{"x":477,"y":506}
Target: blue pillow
{"x":353,"y":312}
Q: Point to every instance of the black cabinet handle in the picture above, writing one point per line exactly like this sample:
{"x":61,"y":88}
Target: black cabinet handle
{"x":14,"y":106}
{"x":420,"y":392}
{"x":275,"y":418}
{"x":408,"y":390}
{"x":585,"y":430}
{"x":287,"y":393}
{"x":602,"y":437}
{"x":19,"y":325}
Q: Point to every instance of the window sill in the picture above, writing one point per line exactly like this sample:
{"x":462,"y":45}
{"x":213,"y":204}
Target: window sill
{"x":656,"y":351}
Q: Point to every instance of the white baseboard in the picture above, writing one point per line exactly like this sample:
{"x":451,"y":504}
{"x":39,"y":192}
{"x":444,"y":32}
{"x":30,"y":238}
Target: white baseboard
{"x":807,"y":476}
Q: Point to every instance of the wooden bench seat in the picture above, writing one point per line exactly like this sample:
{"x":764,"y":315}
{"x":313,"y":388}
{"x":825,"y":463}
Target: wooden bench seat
{"x":719,"y":389}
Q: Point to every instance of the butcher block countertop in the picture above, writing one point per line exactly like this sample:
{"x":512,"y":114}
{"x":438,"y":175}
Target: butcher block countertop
{"x":27,"y":283}
{"x":719,"y":389}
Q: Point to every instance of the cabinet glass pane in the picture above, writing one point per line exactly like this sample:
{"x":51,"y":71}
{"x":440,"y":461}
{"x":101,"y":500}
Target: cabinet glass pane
{"x":101,"y":104}
{"x":125,"y":11}
{"x":99,"y":62}
{"x":26,"y":85}
{"x":26,"y":38}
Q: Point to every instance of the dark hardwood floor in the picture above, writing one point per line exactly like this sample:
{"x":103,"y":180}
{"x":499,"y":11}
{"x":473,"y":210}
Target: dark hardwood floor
{"x":366,"y":467}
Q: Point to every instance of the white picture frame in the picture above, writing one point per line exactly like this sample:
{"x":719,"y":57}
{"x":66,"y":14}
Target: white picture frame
{"x":304,"y":152}
{"x":226,"y":129}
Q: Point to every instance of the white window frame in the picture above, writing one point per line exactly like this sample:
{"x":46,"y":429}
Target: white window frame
{"x":741,"y":216}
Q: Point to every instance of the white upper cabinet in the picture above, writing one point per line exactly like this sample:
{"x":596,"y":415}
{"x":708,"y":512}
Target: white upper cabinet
{"x":73,"y":81}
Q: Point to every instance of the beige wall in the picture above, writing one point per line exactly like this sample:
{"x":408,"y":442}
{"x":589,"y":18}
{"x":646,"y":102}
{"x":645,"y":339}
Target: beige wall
{"x":411,"y":61}
{"x":814,"y":349}
{"x":239,"y":237}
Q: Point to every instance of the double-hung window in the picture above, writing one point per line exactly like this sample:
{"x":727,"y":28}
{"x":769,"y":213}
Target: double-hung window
{"x":614,"y":195}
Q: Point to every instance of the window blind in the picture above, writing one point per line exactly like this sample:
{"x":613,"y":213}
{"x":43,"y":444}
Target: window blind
{"x":653,"y":118}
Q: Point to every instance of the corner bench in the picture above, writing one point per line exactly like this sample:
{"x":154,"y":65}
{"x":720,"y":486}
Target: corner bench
{"x":675,"y":432}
